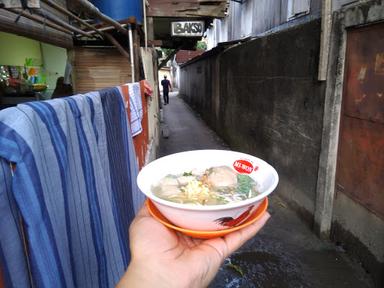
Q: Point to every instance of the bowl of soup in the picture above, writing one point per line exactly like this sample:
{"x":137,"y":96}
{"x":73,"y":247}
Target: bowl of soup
{"x":206,"y":190}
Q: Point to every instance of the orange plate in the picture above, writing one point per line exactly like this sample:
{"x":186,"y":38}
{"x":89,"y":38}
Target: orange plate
{"x":206,"y":234}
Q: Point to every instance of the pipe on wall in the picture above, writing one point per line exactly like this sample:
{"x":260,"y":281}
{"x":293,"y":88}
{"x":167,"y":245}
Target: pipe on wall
{"x":145,"y":23}
{"x":130,"y":36}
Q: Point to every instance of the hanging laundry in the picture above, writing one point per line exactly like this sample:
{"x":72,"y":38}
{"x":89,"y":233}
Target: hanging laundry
{"x":136,"y":107}
{"x":138,"y":124}
{"x":121,"y":160}
{"x":12,"y":254}
{"x":75,"y":186}
{"x":131,"y":105}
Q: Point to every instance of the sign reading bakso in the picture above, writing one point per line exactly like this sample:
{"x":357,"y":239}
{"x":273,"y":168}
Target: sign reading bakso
{"x":188,"y":28}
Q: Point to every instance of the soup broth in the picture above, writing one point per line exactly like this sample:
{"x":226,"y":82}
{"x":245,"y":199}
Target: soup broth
{"x":214,"y":186}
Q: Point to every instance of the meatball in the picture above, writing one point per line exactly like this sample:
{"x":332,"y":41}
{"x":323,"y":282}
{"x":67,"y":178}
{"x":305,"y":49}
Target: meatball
{"x":221,"y":176}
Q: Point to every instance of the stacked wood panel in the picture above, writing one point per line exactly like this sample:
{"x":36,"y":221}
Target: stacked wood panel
{"x":97,"y":68}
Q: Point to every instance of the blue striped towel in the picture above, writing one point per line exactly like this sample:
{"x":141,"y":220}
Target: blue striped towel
{"x":74,"y":187}
{"x":15,"y":270}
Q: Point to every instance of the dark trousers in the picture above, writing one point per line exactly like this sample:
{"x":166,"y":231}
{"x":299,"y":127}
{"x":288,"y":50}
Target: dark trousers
{"x":166,"y":97}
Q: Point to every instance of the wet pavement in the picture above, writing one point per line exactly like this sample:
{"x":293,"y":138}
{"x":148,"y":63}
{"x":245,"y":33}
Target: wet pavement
{"x":285,"y":253}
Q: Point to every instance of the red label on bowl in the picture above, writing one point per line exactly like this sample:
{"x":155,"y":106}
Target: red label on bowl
{"x":243,"y":166}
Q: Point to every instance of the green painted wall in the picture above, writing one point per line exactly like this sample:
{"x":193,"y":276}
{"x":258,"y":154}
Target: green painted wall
{"x":14,"y":49}
{"x":54,"y":60}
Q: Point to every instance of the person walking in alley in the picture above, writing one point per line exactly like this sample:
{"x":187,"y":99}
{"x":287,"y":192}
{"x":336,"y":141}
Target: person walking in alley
{"x":166,"y":87}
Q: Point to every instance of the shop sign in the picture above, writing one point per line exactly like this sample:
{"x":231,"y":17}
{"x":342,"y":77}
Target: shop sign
{"x":188,"y":28}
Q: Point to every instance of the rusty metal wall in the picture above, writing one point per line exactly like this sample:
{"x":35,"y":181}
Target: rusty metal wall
{"x":360,"y":168}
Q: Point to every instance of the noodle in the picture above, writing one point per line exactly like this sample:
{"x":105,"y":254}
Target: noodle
{"x":214,"y":186}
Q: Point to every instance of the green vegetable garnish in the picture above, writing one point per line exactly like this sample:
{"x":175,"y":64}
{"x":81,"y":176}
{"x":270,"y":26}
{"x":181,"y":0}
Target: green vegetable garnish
{"x":188,"y":173}
{"x":244,"y":183}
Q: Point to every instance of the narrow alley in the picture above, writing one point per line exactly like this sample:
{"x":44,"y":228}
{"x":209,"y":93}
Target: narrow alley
{"x":182,"y":130}
{"x":285,"y":253}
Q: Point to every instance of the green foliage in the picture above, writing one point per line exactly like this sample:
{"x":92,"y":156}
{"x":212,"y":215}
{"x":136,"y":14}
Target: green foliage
{"x":166,"y":52}
{"x":201,"y":45}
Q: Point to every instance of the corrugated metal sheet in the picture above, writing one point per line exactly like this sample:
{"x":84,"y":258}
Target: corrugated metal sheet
{"x":254,"y":17}
{"x":268,"y":14}
{"x":360,"y":170}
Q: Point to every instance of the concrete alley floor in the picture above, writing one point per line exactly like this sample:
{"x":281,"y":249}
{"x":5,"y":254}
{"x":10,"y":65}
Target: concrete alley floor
{"x":285,"y":253}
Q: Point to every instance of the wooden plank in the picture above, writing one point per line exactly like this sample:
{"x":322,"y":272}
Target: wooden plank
{"x":31,"y":29}
{"x":187,"y":8}
{"x":98,"y":68}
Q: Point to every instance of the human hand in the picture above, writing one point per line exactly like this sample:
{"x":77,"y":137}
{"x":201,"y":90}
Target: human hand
{"x":163,"y":258}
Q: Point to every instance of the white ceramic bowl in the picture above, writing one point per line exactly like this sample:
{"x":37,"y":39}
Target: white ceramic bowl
{"x":210,"y":217}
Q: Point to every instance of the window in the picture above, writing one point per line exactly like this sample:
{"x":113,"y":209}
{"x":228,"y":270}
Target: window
{"x":297,"y":8}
